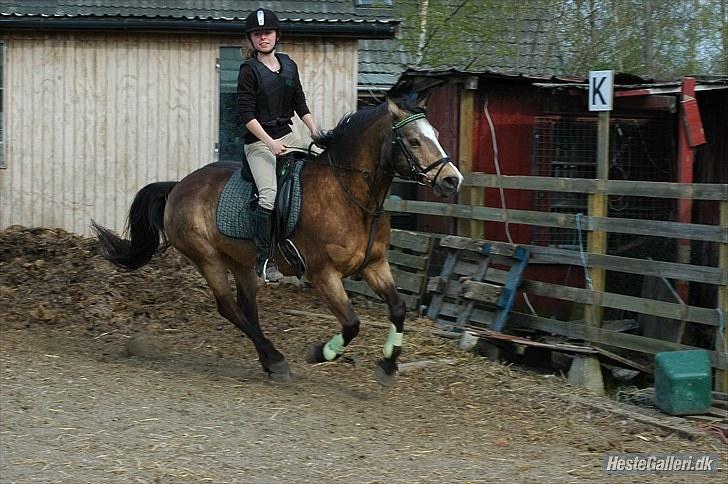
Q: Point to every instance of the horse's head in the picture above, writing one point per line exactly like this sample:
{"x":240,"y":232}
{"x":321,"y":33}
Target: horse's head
{"x":418,"y":154}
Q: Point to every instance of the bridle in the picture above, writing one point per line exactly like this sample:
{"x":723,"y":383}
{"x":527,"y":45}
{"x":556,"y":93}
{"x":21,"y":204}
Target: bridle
{"x":414,"y":170}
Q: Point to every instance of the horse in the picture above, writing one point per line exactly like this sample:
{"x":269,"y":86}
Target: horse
{"x":342,"y":229}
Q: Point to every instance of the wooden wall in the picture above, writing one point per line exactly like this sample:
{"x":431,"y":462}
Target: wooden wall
{"x":91,"y":118}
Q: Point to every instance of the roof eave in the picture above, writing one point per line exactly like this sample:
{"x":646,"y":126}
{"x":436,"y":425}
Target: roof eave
{"x":350,"y":28}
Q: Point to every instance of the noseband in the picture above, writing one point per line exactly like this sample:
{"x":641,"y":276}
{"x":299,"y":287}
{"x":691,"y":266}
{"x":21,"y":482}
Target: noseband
{"x":414,"y":170}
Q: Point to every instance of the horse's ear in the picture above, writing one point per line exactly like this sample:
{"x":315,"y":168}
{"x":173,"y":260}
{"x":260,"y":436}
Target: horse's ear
{"x":394,"y":110}
{"x":422,"y":98}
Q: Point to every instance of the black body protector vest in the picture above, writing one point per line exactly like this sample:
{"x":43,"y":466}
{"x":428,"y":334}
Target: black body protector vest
{"x":274,"y":97}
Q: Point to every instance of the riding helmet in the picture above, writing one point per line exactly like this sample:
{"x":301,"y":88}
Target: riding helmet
{"x":261,"y":19}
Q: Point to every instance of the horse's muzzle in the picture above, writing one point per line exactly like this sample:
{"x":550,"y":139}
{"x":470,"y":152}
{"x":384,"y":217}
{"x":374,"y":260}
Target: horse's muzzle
{"x":447,"y":185}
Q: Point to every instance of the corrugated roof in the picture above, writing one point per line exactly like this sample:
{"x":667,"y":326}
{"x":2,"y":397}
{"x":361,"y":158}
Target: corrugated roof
{"x":289,"y":11}
{"x":621,"y":81}
{"x":500,"y":43}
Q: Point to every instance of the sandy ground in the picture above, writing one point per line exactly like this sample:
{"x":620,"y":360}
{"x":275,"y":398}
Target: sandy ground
{"x":133,"y":377}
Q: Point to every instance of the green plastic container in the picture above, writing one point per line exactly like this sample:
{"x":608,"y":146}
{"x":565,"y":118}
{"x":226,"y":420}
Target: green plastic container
{"x":683,"y":382}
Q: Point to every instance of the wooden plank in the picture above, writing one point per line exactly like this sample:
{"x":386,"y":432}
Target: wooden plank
{"x":658,"y":228}
{"x":408,"y":281}
{"x":496,"y":335}
{"x":597,"y":242}
{"x":652,"y":307}
{"x":479,"y":316}
{"x":465,"y":155}
{"x":447,"y":268}
{"x":695,"y":191}
{"x":713,"y":233}
{"x":482,"y":291}
{"x":721,"y":333}
{"x":408,"y":260}
{"x":361,"y":288}
{"x":414,"y":241}
{"x":577,"y":330}
{"x":671,"y":270}
{"x":468,"y":306}
{"x":479,"y":246}
{"x":625,"y":361}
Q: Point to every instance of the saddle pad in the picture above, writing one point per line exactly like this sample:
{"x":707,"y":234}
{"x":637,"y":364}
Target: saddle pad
{"x":237,"y":200}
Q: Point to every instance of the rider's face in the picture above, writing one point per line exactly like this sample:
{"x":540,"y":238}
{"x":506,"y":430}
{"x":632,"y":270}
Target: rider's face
{"x":263,"y":40}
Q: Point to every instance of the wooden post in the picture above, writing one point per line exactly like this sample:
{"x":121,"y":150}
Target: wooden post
{"x":586,"y":371}
{"x":721,"y":340}
{"x":597,"y":240}
{"x":686,"y":158}
{"x":467,"y":227}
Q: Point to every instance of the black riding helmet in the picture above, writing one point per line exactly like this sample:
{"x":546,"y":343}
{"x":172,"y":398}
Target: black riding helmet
{"x":261,"y":19}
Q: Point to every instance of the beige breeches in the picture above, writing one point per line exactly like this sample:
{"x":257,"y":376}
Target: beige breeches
{"x":263,"y":167}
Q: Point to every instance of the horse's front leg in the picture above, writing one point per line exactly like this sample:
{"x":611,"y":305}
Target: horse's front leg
{"x":379,"y":277}
{"x":328,"y":283}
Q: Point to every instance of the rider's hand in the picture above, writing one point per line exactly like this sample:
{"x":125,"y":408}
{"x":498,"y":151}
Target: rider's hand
{"x":277,"y":148}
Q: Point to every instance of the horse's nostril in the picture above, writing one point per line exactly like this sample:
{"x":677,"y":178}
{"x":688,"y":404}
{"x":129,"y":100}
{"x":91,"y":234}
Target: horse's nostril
{"x":450,"y":183}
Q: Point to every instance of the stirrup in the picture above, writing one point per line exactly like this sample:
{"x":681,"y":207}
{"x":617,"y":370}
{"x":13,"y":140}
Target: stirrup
{"x":269,"y":272}
{"x":293,"y":256}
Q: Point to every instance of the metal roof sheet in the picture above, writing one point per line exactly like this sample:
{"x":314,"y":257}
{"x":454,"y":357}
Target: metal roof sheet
{"x":288,"y":11}
{"x":621,"y":81}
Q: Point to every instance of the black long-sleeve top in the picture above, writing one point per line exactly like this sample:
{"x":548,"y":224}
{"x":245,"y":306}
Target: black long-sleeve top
{"x":247,"y":100}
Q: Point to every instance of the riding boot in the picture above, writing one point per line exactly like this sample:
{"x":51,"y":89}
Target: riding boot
{"x":265,"y":265}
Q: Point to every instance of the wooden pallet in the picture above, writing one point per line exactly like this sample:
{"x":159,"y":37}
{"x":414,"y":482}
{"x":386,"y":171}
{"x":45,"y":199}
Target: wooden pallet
{"x":465,"y":292}
{"x":409,"y":260}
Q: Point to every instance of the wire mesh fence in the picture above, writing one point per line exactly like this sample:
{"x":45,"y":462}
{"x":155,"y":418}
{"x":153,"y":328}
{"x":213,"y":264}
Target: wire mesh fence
{"x":566,"y":146}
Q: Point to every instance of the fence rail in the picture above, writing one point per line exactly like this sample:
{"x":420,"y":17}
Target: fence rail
{"x":710,"y":233}
{"x":597,"y":260}
{"x":695,"y":191}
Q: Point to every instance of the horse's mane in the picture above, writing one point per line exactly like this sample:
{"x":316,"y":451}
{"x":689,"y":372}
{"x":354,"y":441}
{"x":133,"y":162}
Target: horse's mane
{"x":344,"y":138}
{"x":350,"y":126}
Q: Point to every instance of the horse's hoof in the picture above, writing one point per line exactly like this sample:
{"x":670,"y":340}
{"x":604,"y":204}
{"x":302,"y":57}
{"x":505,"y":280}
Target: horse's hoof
{"x":315,"y":353}
{"x":279,"y":371}
{"x":383,"y":378}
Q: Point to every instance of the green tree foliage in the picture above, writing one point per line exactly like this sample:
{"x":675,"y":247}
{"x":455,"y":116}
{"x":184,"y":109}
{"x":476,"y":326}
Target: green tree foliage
{"x":661,"y":39}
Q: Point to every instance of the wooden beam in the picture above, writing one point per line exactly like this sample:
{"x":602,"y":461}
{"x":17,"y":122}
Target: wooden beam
{"x":577,"y":330}
{"x":658,"y":228}
{"x":721,"y":336}
{"x":696,"y":191}
{"x":484,"y":292}
{"x":551,"y":255}
{"x":467,"y":227}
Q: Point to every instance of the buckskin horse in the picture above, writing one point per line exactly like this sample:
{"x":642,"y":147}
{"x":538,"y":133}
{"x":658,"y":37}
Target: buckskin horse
{"x":341,"y":231}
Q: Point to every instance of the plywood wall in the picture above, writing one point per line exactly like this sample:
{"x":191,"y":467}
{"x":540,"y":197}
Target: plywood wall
{"x":91,"y":118}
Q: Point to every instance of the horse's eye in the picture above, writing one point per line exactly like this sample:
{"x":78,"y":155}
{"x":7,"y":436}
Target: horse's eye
{"x":414,"y":142}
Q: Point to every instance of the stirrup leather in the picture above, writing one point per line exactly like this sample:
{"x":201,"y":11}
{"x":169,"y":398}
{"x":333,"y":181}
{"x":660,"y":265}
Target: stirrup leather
{"x":293,"y":256}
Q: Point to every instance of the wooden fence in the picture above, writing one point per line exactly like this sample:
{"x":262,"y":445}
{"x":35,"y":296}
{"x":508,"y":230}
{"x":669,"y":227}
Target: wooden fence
{"x":409,"y":259}
{"x":597,"y":261}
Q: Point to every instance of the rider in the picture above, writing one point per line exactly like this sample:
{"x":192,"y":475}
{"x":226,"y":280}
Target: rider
{"x":269,"y":91}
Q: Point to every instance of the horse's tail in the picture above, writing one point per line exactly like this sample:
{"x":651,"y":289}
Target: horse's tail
{"x":145,"y":227}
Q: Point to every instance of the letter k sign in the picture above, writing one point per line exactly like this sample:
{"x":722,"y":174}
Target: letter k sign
{"x":601,"y":86}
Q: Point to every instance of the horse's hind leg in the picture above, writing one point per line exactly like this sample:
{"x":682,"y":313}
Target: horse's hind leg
{"x":329,"y":284}
{"x":379,"y":277}
{"x":273,"y":362}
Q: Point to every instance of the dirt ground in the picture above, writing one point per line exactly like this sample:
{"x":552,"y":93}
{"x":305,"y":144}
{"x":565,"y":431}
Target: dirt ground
{"x":134,"y":377}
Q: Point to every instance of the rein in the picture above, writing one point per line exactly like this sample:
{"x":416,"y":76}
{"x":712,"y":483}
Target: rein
{"x":415,"y":172}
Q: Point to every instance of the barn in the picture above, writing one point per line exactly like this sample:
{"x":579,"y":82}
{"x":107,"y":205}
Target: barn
{"x":101,"y":98}
{"x":529,"y":145}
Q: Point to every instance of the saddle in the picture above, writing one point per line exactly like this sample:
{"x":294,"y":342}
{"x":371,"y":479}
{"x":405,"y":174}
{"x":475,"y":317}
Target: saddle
{"x":239,"y":198}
